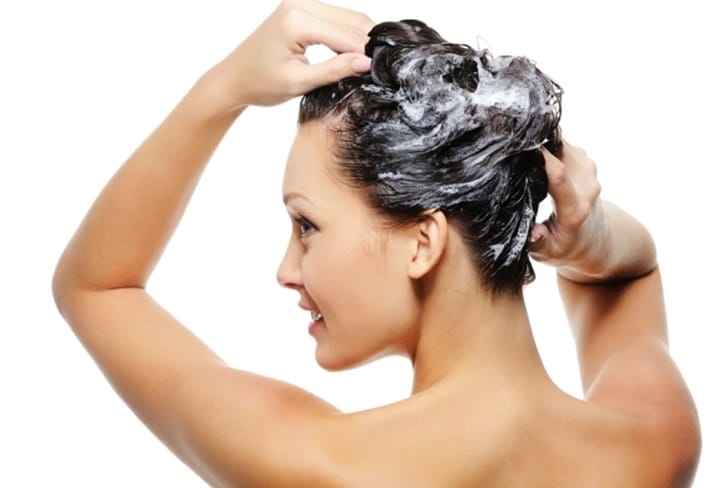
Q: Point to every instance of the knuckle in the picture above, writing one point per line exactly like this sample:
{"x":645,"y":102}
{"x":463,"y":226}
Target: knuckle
{"x":582,"y":211}
{"x":287,"y":4}
{"x":575,"y":217}
{"x":367,"y":20}
{"x":593,"y":167}
{"x":573,"y":222}
{"x":559,"y":176}
{"x":578,"y":151}
{"x":293,"y":18}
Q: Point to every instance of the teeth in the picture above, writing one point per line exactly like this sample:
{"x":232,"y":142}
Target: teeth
{"x":316,"y":315}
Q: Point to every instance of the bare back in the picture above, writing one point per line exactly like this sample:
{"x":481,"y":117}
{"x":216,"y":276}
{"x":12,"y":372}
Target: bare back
{"x":462,"y":438}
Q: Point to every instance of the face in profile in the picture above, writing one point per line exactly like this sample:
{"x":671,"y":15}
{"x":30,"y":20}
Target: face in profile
{"x":342,"y":261}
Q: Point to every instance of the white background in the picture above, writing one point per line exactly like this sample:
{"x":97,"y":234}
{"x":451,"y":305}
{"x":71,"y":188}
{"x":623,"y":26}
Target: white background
{"x":84,"y":82}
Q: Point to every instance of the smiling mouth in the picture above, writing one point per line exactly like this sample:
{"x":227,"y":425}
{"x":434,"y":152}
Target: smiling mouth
{"x":316,"y":316}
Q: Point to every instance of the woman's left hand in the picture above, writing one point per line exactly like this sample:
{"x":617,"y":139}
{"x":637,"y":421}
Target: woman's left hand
{"x":270,"y":66}
{"x":575,"y":237}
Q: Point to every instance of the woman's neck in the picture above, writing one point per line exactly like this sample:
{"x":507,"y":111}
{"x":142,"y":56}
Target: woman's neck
{"x":480,"y":341}
{"x":464,"y":334}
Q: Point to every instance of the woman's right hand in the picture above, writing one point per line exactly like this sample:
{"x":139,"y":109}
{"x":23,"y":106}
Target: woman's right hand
{"x":270,"y":66}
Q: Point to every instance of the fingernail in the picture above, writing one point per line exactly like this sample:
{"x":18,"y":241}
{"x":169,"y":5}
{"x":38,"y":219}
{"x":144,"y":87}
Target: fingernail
{"x":534,"y":237}
{"x":361,"y":64}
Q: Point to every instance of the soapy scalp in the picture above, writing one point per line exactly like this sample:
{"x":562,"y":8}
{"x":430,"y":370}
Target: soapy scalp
{"x":437,"y":125}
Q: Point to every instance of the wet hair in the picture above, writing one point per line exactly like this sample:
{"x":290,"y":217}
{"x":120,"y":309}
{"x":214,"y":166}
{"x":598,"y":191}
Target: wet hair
{"x":442,"y":126}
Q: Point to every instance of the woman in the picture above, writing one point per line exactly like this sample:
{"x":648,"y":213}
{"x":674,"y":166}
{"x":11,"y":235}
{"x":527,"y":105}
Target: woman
{"x":387,"y":263}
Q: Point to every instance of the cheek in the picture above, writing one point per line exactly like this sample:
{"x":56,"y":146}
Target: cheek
{"x":336,"y":275}
{"x":368,"y":301}
{"x":358,"y":277}
{"x":364,"y":293}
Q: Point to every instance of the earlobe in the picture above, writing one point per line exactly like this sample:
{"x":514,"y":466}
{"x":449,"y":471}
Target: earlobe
{"x":429,"y":241}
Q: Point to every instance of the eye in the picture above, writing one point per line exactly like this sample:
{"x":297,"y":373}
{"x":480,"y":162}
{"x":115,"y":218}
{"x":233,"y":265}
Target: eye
{"x":306,"y":227}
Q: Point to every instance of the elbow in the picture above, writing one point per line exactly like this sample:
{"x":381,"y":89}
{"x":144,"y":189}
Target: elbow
{"x":60,"y":289}
{"x":690,"y":448}
{"x":63,"y":287}
{"x":687,"y":459}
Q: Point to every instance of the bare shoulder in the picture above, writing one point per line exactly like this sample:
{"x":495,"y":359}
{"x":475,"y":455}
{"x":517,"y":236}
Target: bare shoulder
{"x":597,"y":443}
{"x":236,"y":428}
{"x":622,"y":345}
{"x":285,"y":436}
{"x":642,"y":385}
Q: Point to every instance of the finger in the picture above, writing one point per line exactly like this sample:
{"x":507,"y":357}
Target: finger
{"x":538,"y":238}
{"x":582,"y":169}
{"x":543,"y":243}
{"x":314,"y":30}
{"x":560,"y":187}
{"x":330,"y":71}
{"x":537,"y":233}
{"x":573,"y":156}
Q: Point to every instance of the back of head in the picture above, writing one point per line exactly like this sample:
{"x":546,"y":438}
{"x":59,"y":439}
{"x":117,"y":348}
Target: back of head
{"x":442,"y":126}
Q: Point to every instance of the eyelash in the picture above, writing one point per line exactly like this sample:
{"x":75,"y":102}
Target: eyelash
{"x":301,"y":222}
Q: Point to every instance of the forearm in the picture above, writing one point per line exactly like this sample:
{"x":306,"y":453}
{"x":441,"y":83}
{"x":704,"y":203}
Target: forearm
{"x":627,"y":251}
{"x":126,"y":230}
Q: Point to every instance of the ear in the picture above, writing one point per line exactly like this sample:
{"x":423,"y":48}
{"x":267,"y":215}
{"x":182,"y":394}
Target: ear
{"x":429,"y":240}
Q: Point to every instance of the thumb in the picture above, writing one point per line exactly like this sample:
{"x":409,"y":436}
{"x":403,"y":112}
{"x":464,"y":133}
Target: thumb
{"x":334,"y":70}
{"x":539,"y":241}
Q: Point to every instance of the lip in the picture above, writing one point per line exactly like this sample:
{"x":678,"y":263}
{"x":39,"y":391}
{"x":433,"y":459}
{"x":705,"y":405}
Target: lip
{"x":304,"y":307}
{"x":315,"y":325}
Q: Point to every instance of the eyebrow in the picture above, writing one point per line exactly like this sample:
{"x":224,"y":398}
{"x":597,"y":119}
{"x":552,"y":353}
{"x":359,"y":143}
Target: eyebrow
{"x":292,"y":195}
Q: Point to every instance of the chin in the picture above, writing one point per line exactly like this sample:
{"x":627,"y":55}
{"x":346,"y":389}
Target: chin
{"x":332,"y":361}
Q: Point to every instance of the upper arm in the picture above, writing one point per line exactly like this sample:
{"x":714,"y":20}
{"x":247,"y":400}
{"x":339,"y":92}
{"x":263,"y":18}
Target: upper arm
{"x":237,"y":428}
{"x":232,"y":427}
{"x":607,"y":319}
{"x":620,"y":331}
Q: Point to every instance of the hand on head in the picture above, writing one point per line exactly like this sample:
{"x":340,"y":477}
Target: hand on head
{"x":577,"y":231}
{"x":270,"y":66}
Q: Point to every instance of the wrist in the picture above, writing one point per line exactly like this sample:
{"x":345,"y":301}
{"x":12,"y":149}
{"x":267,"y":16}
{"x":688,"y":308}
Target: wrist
{"x":209,"y":98}
{"x":624,"y":250}
{"x":592,"y":260}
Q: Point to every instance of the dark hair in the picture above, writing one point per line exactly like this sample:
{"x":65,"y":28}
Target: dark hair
{"x":442,"y":126}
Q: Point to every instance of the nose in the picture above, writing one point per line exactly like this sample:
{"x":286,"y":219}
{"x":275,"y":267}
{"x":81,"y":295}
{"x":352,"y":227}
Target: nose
{"x":288,"y":272}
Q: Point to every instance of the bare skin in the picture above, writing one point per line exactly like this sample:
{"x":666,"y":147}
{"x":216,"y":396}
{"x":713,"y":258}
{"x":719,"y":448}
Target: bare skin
{"x":483,"y":411}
